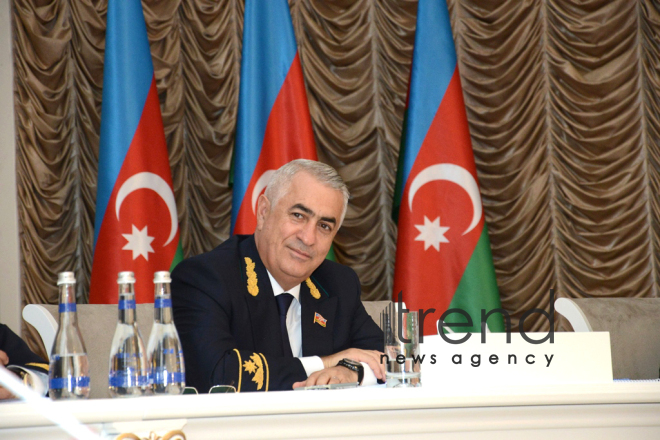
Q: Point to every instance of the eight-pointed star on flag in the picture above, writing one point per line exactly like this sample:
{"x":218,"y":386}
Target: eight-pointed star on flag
{"x":139,"y":242}
{"x":431,"y":233}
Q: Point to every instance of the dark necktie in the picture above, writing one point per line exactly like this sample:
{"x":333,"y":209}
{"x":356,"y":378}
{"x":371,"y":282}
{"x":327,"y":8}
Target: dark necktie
{"x":283,"y":303}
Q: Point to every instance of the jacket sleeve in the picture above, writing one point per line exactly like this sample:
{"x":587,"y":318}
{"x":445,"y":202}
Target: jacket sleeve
{"x":19,"y":353}
{"x":208,"y":322}
{"x":251,"y":371}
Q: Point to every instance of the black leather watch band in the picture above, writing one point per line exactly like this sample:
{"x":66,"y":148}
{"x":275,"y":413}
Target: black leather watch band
{"x":354,"y":366}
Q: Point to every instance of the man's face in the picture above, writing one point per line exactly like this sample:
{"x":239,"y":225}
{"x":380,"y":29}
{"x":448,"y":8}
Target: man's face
{"x":294,"y":236}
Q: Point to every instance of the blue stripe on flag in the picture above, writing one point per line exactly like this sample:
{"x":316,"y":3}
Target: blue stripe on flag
{"x":434,"y":62}
{"x":269,"y":47}
{"x":127,"y":75}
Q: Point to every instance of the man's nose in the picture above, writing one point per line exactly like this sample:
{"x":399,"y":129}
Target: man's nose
{"x":307,"y":234}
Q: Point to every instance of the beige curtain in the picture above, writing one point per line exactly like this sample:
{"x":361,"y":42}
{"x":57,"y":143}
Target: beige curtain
{"x":563,"y":101}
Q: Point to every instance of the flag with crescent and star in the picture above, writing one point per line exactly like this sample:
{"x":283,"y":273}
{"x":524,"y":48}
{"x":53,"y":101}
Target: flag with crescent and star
{"x":136,"y":226}
{"x":273,"y":125}
{"x":443,"y":257}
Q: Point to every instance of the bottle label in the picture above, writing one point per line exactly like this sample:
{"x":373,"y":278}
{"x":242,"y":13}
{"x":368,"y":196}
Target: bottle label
{"x":125,"y":304}
{"x":122,"y":379}
{"x":162,"y":303}
{"x":67,"y":307}
{"x":160,"y":376}
{"x":68,"y":383}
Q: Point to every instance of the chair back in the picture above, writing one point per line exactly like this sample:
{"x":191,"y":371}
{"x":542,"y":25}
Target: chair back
{"x":634,"y":326}
{"x":374,"y":309}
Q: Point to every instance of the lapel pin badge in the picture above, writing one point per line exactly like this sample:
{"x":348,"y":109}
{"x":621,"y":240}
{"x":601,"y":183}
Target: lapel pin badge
{"x":320,"y":320}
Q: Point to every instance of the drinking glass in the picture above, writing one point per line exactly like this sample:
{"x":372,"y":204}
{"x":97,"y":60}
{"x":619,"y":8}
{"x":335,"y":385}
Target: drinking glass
{"x":401,"y":330}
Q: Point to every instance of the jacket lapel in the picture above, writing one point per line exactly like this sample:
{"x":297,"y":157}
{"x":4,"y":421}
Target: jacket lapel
{"x":317,"y":340}
{"x":264,"y":317}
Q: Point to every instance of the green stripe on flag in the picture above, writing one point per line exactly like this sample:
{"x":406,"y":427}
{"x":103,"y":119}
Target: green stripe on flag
{"x":398,"y":183}
{"x":331,"y":254}
{"x":478,"y":290}
{"x":178,"y":256}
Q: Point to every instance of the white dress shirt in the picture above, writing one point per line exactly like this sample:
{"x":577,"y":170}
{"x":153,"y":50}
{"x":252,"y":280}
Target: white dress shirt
{"x":311,"y":364}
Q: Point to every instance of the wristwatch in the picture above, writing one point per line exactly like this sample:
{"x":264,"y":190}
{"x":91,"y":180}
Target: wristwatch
{"x":354,"y":366}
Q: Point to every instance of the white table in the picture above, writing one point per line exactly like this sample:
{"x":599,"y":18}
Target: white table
{"x":612,"y":411}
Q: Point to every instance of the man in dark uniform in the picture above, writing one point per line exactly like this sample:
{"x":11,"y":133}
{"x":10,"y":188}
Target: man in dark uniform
{"x":231,"y":305}
{"x":16,"y":354}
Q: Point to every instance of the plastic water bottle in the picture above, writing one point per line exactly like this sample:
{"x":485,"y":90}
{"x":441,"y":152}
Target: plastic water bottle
{"x":68,"y":375}
{"x":167,"y":371}
{"x":128,"y":375}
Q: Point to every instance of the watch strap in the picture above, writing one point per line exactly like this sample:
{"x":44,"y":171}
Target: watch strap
{"x":354,"y":366}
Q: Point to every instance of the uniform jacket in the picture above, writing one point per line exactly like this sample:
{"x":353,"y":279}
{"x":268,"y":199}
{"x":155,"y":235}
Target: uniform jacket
{"x":18,"y":351}
{"x":228,"y":322}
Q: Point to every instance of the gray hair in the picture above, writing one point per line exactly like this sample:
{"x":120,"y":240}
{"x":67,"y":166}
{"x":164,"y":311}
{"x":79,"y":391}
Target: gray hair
{"x":324,"y":174}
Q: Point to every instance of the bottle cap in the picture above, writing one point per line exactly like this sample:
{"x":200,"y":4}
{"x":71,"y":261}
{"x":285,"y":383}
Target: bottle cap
{"x":126,"y":277}
{"x":162,"y":277}
{"x":66,"y":278}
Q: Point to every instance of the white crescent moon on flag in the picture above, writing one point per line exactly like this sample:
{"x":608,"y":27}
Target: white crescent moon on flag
{"x":451,"y":173}
{"x":155,"y":183}
{"x":262,"y":182}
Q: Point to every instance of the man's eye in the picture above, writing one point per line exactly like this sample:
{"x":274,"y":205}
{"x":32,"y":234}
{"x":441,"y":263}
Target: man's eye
{"x":297,"y":215}
{"x":326,"y":227}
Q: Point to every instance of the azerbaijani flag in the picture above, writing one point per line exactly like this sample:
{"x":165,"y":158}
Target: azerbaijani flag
{"x":136,"y":225}
{"x":443,"y":257}
{"x":274,"y":126}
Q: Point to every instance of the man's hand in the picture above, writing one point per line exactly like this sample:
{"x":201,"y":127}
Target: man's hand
{"x":4,"y":394}
{"x":329,"y":375}
{"x":369,"y":357}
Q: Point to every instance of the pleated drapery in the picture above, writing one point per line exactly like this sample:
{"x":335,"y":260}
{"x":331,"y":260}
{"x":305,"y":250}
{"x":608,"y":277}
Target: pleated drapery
{"x":563,"y":102}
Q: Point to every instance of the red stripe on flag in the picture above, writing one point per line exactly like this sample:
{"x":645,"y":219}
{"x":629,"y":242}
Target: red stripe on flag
{"x":288,"y":136}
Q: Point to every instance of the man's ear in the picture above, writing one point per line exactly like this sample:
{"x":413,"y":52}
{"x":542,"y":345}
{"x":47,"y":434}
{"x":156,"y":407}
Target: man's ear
{"x":263,"y":209}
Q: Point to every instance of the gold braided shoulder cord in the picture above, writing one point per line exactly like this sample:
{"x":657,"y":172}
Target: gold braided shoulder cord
{"x":312,"y":289}
{"x":252,"y":286}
